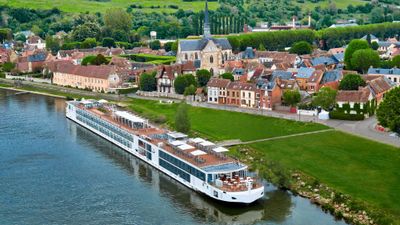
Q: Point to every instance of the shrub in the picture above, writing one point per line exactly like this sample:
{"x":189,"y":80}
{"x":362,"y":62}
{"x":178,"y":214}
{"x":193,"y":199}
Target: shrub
{"x":345,"y":116}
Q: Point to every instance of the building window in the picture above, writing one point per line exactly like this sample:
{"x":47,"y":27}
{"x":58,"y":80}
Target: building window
{"x":196,"y":56}
{"x":186,"y":56}
{"x":211,"y":59}
{"x":395,"y":79}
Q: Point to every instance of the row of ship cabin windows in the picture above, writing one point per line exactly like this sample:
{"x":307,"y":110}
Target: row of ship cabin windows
{"x":105,"y":124}
{"x":107,"y":132}
{"x":182,"y":165}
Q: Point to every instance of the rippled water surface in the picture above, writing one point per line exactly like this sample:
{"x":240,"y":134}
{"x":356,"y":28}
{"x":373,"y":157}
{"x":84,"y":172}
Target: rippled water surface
{"x":53,"y":171}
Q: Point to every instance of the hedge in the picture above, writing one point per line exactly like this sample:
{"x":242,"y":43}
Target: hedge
{"x":127,"y":91}
{"x":344,"y":116}
{"x":154,"y":59}
{"x":329,"y":37}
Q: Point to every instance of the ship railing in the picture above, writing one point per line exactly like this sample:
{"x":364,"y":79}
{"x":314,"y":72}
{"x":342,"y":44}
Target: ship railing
{"x":237,"y":185}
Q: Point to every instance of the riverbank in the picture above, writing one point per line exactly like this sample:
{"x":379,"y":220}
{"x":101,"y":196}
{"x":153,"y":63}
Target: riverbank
{"x":323,"y":157}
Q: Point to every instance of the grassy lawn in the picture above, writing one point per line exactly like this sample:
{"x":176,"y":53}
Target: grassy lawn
{"x":340,"y":4}
{"x":364,"y":169}
{"x":224,"y":125}
{"x":75,"y":6}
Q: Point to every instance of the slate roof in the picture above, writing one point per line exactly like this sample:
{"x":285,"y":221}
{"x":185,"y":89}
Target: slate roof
{"x":305,"y":72}
{"x":394,"y":71}
{"x":200,"y":44}
{"x":40,"y":57}
{"x":372,"y":37}
{"x":284,"y":75}
{"x":323,"y":60}
{"x":330,"y":76}
{"x":248,"y":53}
{"x":339,"y":57}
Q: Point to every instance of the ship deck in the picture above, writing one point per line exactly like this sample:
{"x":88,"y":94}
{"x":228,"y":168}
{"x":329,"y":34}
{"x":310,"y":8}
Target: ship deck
{"x":206,"y":160}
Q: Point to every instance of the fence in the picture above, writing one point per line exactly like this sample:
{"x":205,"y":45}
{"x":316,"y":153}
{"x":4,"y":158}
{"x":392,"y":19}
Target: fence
{"x":28,"y":78}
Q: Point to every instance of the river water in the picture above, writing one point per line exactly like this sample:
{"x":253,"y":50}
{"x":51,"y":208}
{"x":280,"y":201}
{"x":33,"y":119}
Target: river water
{"x":52,"y":171}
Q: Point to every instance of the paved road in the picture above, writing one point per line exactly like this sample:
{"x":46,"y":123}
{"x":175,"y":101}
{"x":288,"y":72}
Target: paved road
{"x":364,"y":128}
{"x":238,"y":142}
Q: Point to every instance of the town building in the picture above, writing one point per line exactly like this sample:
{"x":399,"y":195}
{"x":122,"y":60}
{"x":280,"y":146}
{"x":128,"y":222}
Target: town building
{"x":36,"y":42}
{"x":209,"y":52}
{"x":96,"y":78}
{"x":391,"y":74}
{"x":217,"y":90}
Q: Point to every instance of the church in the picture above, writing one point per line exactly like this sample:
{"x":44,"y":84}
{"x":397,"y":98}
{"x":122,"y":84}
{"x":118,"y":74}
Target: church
{"x":207,"y":53}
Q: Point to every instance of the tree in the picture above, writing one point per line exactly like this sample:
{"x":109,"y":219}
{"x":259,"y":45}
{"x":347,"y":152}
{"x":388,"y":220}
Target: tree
{"x":8,"y":66}
{"x":168,"y":46}
{"x":182,"y":121}
{"x":377,"y":15}
{"x":94,"y":60}
{"x":117,"y":19}
{"x":228,"y":76}
{"x":52,"y":44}
{"x":203,"y":76}
{"x":87,"y":30}
{"x":183,"y":81}
{"x":89,"y":43}
{"x":301,"y":48}
{"x":326,"y":98}
{"x":174,"y":46}
{"x":291,"y":97}
{"x":354,"y":45}
{"x":99,"y":60}
{"x":155,"y":45}
{"x":148,"y":82}
{"x":351,"y":82}
{"x":388,"y":112}
{"x":261,"y":47}
{"x":191,"y":90}
{"x":396,"y":61}
{"x":5,"y":34}
{"x":374,"y":45}
{"x":108,"y":42}
{"x":364,"y":59}
{"x":20,"y":37}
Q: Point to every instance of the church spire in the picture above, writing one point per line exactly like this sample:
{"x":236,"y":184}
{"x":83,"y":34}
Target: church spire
{"x":207,"y":32}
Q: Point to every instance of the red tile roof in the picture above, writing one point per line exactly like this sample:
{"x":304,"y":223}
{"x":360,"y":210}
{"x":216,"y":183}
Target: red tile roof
{"x":361,"y":95}
{"x":217,"y":82}
{"x":102,"y":72}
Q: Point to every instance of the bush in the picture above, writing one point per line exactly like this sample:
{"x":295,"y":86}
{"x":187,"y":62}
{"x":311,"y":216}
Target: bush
{"x":127,"y":91}
{"x":345,"y":116}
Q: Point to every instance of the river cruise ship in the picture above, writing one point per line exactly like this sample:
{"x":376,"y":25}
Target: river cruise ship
{"x":196,"y":163}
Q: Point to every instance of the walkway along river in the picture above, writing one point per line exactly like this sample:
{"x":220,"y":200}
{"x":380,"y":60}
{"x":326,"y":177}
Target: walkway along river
{"x":53,"y":171}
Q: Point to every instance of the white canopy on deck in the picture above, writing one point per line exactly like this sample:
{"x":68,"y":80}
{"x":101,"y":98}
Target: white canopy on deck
{"x":198,"y":152}
{"x":197,"y":140}
{"x":220,"y":149}
{"x":177,"y":143}
{"x":185,"y":147}
{"x":206,"y":143}
{"x":130,"y":117}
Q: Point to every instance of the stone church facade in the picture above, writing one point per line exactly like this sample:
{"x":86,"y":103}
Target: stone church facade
{"x":207,"y":53}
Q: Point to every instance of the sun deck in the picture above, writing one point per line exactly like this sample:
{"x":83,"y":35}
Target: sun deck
{"x":200,"y":154}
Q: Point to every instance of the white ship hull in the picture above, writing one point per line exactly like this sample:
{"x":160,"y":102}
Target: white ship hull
{"x":194,"y":182}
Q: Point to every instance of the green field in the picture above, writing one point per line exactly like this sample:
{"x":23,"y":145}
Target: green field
{"x":225,"y":125}
{"x":366,"y":170}
{"x":340,"y":4}
{"x":75,"y":6}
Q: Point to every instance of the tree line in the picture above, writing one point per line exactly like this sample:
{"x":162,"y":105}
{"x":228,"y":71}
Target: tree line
{"x":325,"y":38}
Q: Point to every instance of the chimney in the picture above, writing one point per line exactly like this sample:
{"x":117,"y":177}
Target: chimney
{"x":294,"y":22}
